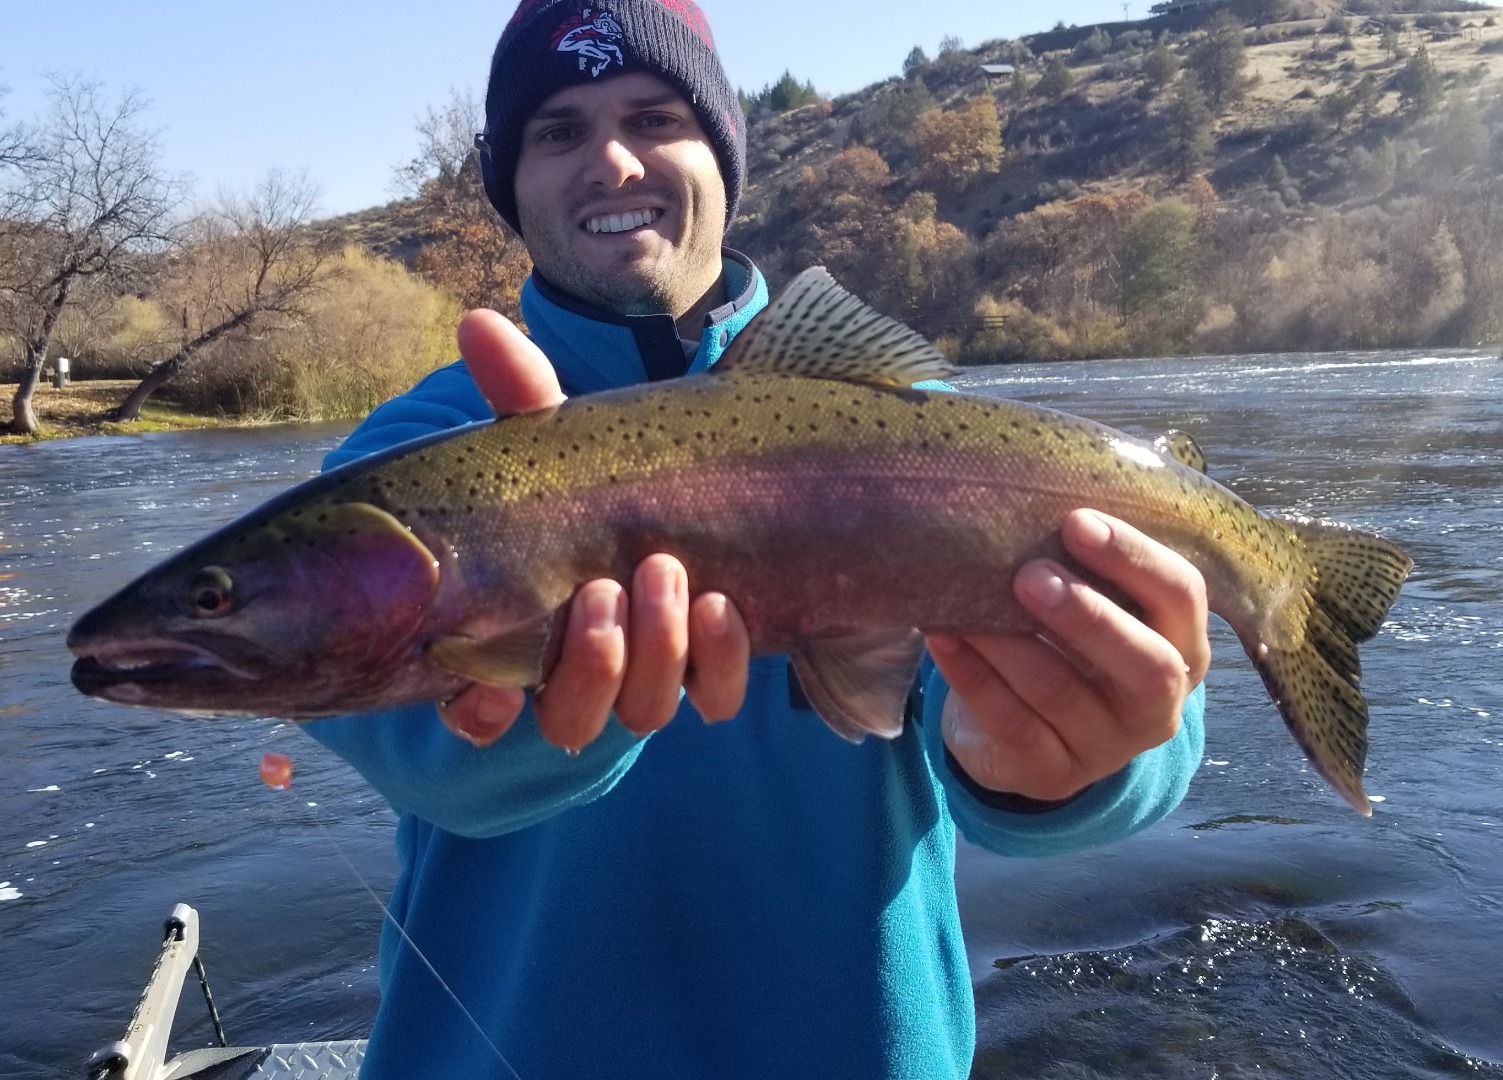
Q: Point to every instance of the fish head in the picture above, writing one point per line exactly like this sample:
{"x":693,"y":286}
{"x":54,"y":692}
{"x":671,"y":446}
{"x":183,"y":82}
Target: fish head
{"x":295,"y":612}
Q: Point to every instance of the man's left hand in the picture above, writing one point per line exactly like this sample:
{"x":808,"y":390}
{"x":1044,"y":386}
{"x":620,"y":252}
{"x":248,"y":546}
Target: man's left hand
{"x":1046,"y":715}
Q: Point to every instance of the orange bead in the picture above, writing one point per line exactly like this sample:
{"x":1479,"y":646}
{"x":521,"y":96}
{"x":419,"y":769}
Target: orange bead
{"x":276,"y":770}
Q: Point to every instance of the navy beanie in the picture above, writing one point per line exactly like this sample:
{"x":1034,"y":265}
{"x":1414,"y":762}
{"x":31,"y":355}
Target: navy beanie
{"x":551,"y":44}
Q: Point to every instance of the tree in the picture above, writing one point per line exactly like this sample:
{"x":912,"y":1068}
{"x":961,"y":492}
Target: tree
{"x":15,"y":145}
{"x":888,"y":122}
{"x":1056,"y":80}
{"x":1218,"y":60}
{"x":88,"y":202}
{"x":840,"y":213}
{"x":1017,"y":88}
{"x":1160,"y":67}
{"x":954,"y":148}
{"x":915,"y":63}
{"x":1160,"y":265}
{"x":1190,"y":122}
{"x":1094,"y":46}
{"x":1419,"y":84}
{"x":469,"y":252}
{"x":782,"y":96}
{"x":1388,"y":41}
{"x":926,"y":262}
{"x":249,"y":260}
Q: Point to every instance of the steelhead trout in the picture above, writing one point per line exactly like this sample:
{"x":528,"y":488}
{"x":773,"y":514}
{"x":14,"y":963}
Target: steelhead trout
{"x":843,"y":510}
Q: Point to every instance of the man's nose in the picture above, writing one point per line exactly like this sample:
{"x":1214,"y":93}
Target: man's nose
{"x":613,"y":163}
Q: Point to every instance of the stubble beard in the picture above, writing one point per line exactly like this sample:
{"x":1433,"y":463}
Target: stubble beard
{"x":672,"y":283}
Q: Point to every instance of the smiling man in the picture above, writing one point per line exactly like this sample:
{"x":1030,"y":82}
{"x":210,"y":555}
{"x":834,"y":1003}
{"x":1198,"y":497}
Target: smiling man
{"x":757,"y":898}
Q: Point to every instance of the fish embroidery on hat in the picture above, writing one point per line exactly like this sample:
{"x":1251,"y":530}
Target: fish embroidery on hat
{"x":594,"y":36}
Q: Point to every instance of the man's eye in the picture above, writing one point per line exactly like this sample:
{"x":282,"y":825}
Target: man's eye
{"x":557,"y":134}
{"x":657,"y":120}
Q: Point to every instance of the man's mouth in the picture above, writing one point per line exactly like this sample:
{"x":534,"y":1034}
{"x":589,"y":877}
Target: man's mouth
{"x":615,"y":223}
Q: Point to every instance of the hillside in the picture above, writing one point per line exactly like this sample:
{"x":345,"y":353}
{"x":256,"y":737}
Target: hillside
{"x":1336,"y":191}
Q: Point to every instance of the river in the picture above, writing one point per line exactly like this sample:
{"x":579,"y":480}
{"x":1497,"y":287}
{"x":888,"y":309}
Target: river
{"x":1262,"y":929}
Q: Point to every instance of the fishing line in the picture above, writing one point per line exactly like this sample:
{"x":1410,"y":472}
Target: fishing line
{"x":386,"y":912}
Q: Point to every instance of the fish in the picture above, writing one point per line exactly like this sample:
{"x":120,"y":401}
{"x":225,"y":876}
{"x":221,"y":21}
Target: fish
{"x":845,"y":510}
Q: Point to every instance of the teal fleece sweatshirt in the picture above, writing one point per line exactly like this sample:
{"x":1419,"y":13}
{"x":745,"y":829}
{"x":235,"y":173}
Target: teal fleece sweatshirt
{"x":755,"y":899}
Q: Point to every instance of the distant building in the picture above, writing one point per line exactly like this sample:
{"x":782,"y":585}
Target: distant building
{"x":994,"y":70}
{"x":1171,"y":7}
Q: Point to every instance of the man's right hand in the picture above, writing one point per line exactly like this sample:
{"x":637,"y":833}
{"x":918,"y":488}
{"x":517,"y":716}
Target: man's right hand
{"x":626,"y":651}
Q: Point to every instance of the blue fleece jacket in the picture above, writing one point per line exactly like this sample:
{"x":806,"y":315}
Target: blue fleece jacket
{"x":752,"y":899}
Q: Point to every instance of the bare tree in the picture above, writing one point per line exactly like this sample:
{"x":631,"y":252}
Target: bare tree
{"x":251,"y":260}
{"x":469,"y":251}
{"x":15,"y":141}
{"x":88,"y":199}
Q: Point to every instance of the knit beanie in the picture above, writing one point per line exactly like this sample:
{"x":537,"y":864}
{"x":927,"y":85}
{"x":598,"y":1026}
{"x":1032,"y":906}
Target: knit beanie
{"x":552,"y":44}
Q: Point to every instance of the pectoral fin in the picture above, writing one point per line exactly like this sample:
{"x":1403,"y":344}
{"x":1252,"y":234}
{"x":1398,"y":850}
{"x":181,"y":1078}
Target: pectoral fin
{"x":514,"y":658}
{"x":859,"y":683}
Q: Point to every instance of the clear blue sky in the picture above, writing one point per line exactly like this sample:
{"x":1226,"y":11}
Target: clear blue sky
{"x":334,"y":86}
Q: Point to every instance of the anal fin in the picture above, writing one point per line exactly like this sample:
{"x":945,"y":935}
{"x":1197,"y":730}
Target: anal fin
{"x":513,"y":658}
{"x":859,"y":682}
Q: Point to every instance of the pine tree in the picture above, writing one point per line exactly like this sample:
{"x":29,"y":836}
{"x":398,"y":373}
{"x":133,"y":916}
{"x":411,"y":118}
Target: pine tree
{"x":1190,"y":121}
{"x":1057,"y":78}
{"x":1419,"y":84}
{"x":1218,"y":61}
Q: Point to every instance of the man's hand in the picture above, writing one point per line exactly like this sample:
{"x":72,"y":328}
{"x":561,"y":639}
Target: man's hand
{"x":1046,"y":715}
{"x":623,"y":650}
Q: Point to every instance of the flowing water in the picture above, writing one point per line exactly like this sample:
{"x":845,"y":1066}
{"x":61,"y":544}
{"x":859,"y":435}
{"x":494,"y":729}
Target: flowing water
{"x":1261,"y":930}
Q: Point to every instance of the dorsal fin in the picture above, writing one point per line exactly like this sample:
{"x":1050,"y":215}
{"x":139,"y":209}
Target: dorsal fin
{"x":1182,"y":448}
{"x":817,"y":329}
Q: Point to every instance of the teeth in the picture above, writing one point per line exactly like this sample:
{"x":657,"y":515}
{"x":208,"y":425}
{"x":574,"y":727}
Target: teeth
{"x":614,"y":223}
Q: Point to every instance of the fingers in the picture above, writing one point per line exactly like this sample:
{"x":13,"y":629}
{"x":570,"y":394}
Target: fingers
{"x":1044,"y":716}
{"x":509,"y":368}
{"x":574,"y":704}
{"x":633,"y":653}
{"x":482,"y":714}
{"x":1170,"y":590}
{"x":658,"y":645}
{"x":720,"y":650}
{"x":1006,"y":742}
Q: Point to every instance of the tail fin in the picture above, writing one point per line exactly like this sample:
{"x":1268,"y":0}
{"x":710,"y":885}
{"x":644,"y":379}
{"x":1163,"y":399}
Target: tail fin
{"x":1315,"y":682}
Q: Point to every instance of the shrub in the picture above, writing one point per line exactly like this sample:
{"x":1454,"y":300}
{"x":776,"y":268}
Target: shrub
{"x":372,"y":334}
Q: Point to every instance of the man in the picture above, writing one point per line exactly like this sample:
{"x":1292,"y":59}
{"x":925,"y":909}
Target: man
{"x":753,"y":898}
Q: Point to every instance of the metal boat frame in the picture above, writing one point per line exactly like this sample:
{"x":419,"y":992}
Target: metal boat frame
{"x":142,"y":1053}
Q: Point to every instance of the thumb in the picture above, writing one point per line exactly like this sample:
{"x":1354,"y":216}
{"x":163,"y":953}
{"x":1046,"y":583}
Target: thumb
{"x":509,"y":368}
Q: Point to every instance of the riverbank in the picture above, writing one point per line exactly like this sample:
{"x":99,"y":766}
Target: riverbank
{"x":79,"y":408}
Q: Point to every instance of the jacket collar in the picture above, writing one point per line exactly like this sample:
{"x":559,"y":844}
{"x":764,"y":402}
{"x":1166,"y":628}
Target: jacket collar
{"x":594,"y":349}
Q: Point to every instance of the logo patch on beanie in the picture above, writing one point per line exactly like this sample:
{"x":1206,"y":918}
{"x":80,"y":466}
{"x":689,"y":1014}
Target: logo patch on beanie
{"x":596,"y":37}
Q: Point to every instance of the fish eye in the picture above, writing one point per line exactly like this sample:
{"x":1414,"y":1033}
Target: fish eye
{"x":211,"y":593}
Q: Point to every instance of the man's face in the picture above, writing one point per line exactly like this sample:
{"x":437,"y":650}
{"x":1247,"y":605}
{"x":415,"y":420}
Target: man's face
{"x":620,"y":198}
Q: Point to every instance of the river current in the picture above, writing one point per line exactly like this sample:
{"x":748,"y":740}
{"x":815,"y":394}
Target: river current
{"x":1263,"y":929}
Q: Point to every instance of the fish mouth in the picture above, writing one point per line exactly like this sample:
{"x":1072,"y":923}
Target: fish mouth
{"x":105,"y":670}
